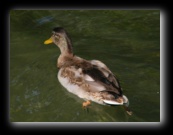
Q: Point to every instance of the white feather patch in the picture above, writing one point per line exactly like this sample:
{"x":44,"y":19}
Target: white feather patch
{"x":88,"y":78}
{"x":125,"y":99}
{"x":112,"y":102}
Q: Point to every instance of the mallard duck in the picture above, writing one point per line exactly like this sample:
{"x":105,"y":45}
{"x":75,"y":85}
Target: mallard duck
{"x":90,"y":80}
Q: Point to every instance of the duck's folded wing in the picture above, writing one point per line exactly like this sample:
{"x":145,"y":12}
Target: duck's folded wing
{"x":105,"y":70}
{"x":100,"y":75}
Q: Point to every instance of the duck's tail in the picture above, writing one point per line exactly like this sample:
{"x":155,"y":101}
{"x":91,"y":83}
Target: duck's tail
{"x":125,"y":100}
{"x":126,"y":105}
{"x":122,"y":101}
{"x":119,"y":101}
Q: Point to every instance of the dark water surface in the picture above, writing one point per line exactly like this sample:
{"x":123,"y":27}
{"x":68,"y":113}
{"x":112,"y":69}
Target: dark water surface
{"x":127,"y":41}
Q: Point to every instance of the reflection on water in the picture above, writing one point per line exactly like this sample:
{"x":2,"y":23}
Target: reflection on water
{"x":44,"y":20}
{"x":128,"y":42}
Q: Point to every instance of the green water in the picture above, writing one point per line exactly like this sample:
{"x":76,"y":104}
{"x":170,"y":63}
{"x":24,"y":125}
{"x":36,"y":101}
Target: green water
{"x":127,"y":41}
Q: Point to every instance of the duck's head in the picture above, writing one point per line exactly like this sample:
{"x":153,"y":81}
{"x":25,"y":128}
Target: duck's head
{"x":60,"y":38}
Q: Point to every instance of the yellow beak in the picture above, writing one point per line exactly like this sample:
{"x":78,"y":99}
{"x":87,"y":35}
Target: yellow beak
{"x":48,"y":41}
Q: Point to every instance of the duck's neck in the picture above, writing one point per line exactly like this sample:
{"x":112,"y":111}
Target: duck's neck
{"x":66,"y":54}
{"x":65,"y":47}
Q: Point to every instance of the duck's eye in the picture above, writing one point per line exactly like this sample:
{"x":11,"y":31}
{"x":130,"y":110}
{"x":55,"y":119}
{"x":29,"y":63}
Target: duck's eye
{"x":56,"y":35}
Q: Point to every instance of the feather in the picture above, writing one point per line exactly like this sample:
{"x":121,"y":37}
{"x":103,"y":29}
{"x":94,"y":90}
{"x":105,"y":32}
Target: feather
{"x":111,"y":102}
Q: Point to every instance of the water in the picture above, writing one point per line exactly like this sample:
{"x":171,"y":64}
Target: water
{"x":128,"y":42}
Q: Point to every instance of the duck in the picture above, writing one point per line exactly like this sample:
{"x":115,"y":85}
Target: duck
{"x":90,"y":80}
